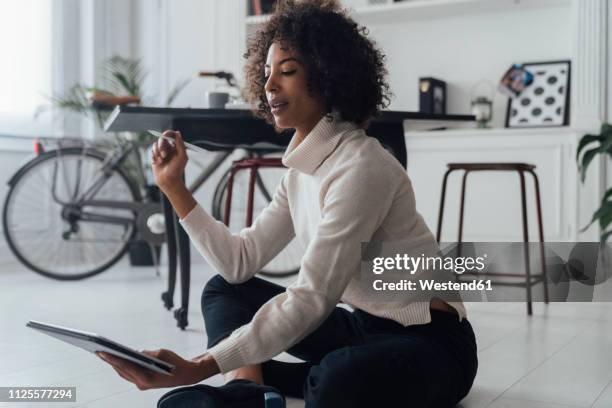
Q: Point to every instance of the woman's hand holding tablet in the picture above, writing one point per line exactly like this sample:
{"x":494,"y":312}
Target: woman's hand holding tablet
{"x":146,"y":369}
{"x":185,"y":372}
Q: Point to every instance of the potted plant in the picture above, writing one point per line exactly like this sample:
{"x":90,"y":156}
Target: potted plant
{"x":124,"y":79}
{"x":603,"y":143}
{"x":597,"y":267}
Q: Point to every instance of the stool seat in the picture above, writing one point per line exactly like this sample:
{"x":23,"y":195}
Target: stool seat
{"x":491,"y":166}
{"x":255,"y":162}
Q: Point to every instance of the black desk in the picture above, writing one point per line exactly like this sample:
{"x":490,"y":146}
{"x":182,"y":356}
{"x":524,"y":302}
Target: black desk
{"x":236,"y":127}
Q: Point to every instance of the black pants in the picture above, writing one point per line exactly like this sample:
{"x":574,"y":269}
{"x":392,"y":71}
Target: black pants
{"x":354,"y":359}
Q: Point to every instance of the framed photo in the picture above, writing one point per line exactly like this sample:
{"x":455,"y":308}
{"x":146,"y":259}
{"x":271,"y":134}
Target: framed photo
{"x":515,"y":80}
{"x":546,"y":101}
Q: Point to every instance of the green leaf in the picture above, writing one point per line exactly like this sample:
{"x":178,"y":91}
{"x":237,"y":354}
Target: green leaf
{"x":604,"y":209}
{"x":606,"y":144}
{"x":604,"y":237}
{"x":100,"y":90}
{"x":585,"y":141}
{"x":125,"y":75}
{"x":125,"y":83}
{"x":606,"y":218}
{"x":586,"y":160}
{"x":607,"y":196}
{"x":75,"y":100}
{"x":606,"y":129}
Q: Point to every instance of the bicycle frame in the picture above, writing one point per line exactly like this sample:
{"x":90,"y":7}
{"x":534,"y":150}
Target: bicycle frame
{"x":111,"y":163}
{"x":209,"y":170}
{"x":75,"y":208}
{"x":216,"y":163}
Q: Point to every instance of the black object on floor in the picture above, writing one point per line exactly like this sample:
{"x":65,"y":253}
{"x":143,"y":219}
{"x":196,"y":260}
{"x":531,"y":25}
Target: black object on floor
{"x":238,"y":393}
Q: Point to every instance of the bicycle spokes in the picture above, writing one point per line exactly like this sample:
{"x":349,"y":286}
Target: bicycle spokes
{"x":54,"y":231}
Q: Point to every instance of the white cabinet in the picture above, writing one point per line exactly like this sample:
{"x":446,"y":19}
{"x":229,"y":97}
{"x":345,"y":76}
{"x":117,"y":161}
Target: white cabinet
{"x":493,"y":200}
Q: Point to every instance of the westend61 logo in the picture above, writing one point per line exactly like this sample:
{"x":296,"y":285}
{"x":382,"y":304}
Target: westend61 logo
{"x":411,"y":264}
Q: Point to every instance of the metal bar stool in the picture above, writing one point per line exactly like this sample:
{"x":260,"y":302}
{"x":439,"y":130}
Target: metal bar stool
{"x":520,"y":168}
{"x":253,"y":164}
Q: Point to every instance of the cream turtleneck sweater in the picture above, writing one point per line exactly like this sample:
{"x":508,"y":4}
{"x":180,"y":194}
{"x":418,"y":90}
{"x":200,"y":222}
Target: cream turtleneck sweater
{"x":341,"y":188}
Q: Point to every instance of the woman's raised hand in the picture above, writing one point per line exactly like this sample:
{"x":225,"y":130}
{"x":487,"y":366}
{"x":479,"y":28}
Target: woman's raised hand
{"x":169,"y":161}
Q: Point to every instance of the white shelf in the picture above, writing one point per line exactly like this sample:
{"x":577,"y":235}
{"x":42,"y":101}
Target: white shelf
{"x":494,"y":132}
{"x":410,"y":10}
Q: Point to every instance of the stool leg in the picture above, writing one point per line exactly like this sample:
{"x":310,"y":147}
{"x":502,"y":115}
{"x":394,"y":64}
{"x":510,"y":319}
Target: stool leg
{"x":526,"y":243}
{"x":249,"y":211}
{"x":461,"y":212}
{"x":441,"y":211}
{"x":536,"y":184}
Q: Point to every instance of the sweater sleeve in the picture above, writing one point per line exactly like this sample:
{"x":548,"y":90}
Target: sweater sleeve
{"x":354,"y":206}
{"x":238,"y":257}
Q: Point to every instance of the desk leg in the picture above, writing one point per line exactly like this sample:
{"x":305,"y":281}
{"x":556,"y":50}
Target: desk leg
{"x":170,"y":221}
{"x":185,"y":264}
{"x":184,"y":257}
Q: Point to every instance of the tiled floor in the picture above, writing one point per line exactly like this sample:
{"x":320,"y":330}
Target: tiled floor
{"x":558,"y":358}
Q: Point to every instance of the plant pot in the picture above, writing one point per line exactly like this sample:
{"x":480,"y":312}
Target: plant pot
{"x":140,"y":254}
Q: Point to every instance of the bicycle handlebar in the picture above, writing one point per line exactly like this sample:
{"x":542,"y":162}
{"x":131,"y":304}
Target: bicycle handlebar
{"x":228,"y":76}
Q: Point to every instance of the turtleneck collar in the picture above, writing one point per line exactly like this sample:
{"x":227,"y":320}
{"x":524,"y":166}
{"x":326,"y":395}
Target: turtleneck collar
{"x":308,"y":155}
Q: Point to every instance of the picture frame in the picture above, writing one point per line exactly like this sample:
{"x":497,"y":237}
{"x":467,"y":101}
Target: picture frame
{"x":546,"y":101}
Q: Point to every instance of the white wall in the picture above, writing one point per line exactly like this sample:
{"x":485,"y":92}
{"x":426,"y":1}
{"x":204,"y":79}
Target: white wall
{"x":464,"y":50}
{"x":176,"y":40}
{"x":15,"y":151}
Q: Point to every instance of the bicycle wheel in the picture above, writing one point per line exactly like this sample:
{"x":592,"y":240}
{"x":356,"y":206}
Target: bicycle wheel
{"x":287,"y":262}
{"x":35,"y":223}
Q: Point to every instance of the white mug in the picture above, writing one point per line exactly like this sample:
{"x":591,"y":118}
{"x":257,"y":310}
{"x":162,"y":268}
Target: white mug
{"x":217,"y":100}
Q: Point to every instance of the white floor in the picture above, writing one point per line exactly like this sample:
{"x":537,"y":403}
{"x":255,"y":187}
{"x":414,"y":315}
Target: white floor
{"x":560,"y":357}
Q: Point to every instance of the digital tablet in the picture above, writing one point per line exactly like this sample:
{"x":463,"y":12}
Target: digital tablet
{"x":94,"y":342}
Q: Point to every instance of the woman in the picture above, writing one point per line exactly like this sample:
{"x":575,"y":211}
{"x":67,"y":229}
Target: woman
{"x":312,"y":69}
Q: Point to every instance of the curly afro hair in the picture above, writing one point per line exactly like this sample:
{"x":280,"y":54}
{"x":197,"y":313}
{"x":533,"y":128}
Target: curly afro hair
{"x":343,"y":65}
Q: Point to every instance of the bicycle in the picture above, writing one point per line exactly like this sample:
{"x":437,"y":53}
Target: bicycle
{"x":72,"y":211}
{"x":79,"y":205}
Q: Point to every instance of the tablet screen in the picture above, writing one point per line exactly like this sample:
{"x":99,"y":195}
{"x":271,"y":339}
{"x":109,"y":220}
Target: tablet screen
{"x":93,"y":342}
